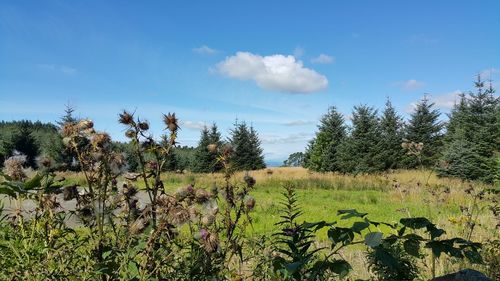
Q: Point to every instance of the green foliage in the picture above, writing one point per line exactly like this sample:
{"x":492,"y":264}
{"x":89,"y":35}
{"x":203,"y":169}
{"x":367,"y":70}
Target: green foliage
{"x":402,"y":268}
{"x":205,"y":156}
{"x":424,"y":127}
{"x":247,"y":150}
{"x":296,"y":159}
{"x":321,"y":154}
{"x":391,"y":137}
{"x":473,"y":137}
{"x":361,"y":151}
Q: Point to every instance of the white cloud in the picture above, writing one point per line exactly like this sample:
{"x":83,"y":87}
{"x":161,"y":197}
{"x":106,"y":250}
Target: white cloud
{"x":293,"y":138}
{"x":298,"y":52}
{"x":446,"y":101}
{"x":193,"y":125}
{"x":298,"y":123}
{"x":276,"y":72}
{"x":409,"y":85}
{"x":58,"y":68}
{"x":205,"y":50}
{"x":323,"y":59}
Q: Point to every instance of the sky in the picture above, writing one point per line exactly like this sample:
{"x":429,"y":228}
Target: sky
{"x":277,"y":65}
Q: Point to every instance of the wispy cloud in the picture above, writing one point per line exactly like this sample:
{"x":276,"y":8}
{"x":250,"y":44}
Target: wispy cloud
{"x":298,"y":123}
{"x":193,"y":125}
{"x":205,"y":50}
{"x":58,"y":68}
{"x":276,"y":72}
{"x":323,"y":59}
{"x":298,"y":52}
{"x":292,"y":138}
{"x":409,"y":85}
{"x":446,"y":101}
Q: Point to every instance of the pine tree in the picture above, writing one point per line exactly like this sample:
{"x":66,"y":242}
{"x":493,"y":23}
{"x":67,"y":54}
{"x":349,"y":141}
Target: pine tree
{"x":64,"y":155}
{"x":203,"y":158}
{"x":424,"y":127}
{"x":247,"y":153}
{"x":68,"y":116}
{"x":321,"y":154}
{"x":24,"y":142}
{"x":391,"y":132}
{"x":473,"y":137}
{"x":360,"y":152}
{"x":216,"y":141}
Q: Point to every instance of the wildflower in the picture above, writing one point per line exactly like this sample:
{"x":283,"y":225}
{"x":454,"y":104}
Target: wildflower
{"x":249,"y":203}
{"x":212,"y":147}
{"x":13,"y":167}
{"x":250,"y":181}
{"x":208,"y":220}
{"x":201,"y":195}
{"x":68,"y":129}
{"x":179,"y":215}
{"x":171,"y":121}
{"x":44,"y":162}
{"x":100,"y":140}
{"x":143,"y":126}
{"x":85,"y":124}
{"x":130,"y":134}
{"x":126,"y":118}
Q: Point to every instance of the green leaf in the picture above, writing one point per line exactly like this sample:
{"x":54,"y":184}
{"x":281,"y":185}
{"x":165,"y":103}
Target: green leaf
{"x":359,"y":226}
{"x":7,"y":191}
{"x":340,"y":234}
{"x":340,"y":267}
{"x":350,"y":214}
{"x":132,"y":269}
{"x":373,"y":239}
{"x":34,"y":182}
{"x":415,"y":223}
{"x":412,"y":247}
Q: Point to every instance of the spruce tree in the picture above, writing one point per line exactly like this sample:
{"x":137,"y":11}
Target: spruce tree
{"x":203,"y":158}
{"x":391,"y":132}
{"x":216,"y":141}
{"x":247,"y":154}
{"x":424,"y":127}
{"x":24,"y":142}
{"x":361,"y":152}
{"x":321,"y":154}
{"x":473,"y":136}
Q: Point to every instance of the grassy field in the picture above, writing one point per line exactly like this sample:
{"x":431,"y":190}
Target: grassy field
{"x":385,"y":197}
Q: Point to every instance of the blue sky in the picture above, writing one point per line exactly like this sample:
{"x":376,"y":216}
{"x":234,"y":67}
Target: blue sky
{"x":275,"y":64}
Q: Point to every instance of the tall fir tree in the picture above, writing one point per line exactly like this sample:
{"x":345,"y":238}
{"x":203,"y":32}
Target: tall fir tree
{"x":203,"y":158}
{"x":361,"y":152}
{"x":391,"y":132}
{"x":24,"y":142}
{"x":321,"y":154}
{"x":473,"y":136}
{"x":215,"y":138}
{"x":424,"y":127}
{"x":247,"y":154}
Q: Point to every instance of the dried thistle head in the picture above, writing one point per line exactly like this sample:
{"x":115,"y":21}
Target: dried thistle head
{"x":201,"y":195}
{"x":249,"y":203}
{"x":85,"y":124}
{"x":143,"y":126}
{"x":130,"y":134}
{"x":126,"y":118}
{"x":49,"y":202}
{"x":210,"y":241}
{"x":70,"y":193}
{"x":212,"y":147}
{"x":68,"y":129}
{"x":171,"y":122}
{"x":44,"y":162}
{"x":100,"y":140}
{"x":250,"y":181}
{"x":13,"y":167}
{"x":208,"y":219}
{"x":178,"y":215}
{"x":137,"y":226}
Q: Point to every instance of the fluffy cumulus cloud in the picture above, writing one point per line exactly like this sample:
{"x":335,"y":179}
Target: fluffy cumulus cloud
{"x":323,"y":59}
{"x":276,"y":72}
{"x":205,"y":50}
{"x":409,"y":85}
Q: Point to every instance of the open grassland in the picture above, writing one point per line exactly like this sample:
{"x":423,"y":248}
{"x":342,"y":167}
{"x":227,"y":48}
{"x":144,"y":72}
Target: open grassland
{"x":385,"y":197}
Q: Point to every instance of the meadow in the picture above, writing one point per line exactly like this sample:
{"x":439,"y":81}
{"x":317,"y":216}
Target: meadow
{"x":386,"y":197}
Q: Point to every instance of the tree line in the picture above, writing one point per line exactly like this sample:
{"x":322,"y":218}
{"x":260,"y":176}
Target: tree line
{"x":467,"y":146}
{"x":34,"y":139}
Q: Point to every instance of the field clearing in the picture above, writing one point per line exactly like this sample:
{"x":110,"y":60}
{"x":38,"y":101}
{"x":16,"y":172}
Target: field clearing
{"x":385,"y":197}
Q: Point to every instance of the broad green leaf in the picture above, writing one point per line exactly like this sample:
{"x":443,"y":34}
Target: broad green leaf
{"x":350,"y":214}
{"x":412,"y":247}
{"x":373,"y":239}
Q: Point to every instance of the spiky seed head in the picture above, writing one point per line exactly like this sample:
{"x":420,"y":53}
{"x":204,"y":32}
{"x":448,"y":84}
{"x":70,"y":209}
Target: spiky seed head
{"x":249,"y":203}
{"x":212,"y":147}
{"x":250,"y":181}
{"x":171,"y":122}
{"x":126,"y":118}
{"x":137,"y":226}
{"x":130,"y":134}
{"x":100,"y":140}
{"x":143,"y":126}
